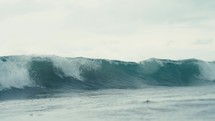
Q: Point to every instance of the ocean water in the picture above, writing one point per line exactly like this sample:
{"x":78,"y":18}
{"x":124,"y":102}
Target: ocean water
{"x":55,"y":88}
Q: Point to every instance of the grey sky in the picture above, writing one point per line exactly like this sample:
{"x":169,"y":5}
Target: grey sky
{"x":114,"y":29}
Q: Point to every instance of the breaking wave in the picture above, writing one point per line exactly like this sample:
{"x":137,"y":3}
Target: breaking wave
{"x":53,"y":72}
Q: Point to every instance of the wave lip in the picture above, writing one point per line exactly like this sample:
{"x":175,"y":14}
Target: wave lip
{"x":53,"y":72}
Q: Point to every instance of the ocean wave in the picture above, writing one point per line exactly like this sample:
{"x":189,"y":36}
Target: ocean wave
{"x":50,"y":72}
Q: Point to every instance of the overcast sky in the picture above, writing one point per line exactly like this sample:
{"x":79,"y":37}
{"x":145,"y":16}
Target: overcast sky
{"x":131,"y":30}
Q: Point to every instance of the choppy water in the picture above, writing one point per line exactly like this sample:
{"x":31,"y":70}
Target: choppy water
{"x":149,"y":104}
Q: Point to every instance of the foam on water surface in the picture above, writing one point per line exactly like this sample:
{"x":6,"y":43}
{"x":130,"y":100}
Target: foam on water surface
{"x":150,"y":104}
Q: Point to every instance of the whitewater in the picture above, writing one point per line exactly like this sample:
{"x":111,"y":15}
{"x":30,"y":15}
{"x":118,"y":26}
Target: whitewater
{"x":60,"y":88}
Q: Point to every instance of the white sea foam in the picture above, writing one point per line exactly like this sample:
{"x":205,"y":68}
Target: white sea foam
{"x":151,"y":65}
{"x":207,"y":70}
{"x":14,"y":73}
{"x":73,"y":67}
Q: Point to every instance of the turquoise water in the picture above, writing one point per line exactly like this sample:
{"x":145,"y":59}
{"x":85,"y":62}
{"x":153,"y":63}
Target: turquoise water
{"x":53,"y":72}
{"x":52,"y":88}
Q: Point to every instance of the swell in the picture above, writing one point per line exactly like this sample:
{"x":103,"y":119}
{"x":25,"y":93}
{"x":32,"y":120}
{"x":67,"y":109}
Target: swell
{"x":53,"y":72}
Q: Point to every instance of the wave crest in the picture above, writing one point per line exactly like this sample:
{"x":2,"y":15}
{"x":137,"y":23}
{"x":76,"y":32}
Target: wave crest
{"x":83,"y":73}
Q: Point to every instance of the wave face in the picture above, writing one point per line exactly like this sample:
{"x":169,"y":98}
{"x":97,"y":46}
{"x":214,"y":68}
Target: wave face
{"x":26,"y":72}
